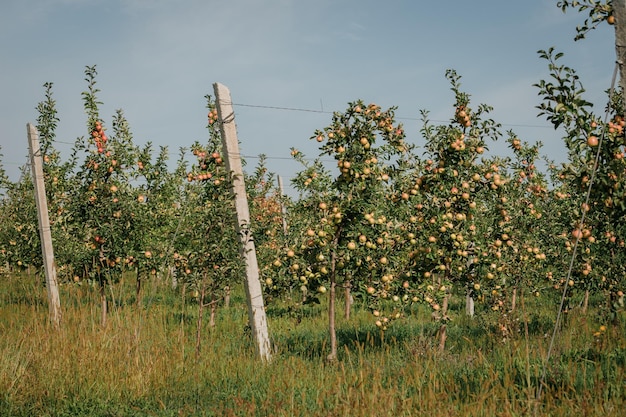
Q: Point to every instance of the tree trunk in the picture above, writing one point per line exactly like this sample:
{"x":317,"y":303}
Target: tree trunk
{"x":227,"y":297}
{"x":213,"y":311}
{"x":103,"y":302}
{"x":348,"y":300}
{"x":183,"y":310}
{"x":174,"y":278}
{"x":138,"y":289}
{"x":443,"y":335}
{"x":443,"y":313}
{"x":514,"y":299}
{"x":443,"y":330}
{"x":199,"y":322}
{"x":332,"y":356}
{"x":585,"y":301}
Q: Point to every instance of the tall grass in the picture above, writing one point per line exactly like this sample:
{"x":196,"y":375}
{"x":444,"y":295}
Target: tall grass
{"x":144,"y":362}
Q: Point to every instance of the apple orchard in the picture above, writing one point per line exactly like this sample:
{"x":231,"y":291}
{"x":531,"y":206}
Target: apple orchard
{"x":385,"y":227}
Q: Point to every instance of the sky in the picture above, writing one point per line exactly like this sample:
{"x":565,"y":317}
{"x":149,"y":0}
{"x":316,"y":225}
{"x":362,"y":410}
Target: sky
{"x":157,"y":59}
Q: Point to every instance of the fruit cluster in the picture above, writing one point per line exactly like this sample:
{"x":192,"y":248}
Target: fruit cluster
{"x":462,"y":116}
{"x":212,"y":116}
{"x":100,"y":137}
{"x":206,"y":161}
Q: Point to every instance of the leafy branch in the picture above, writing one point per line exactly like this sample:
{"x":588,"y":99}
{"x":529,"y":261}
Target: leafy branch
{"x":598,"y":11}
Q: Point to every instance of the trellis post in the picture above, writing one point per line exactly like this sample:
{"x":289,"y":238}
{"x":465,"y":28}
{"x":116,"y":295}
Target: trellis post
{"x":54,"y":303}
{"x":232,"y":157}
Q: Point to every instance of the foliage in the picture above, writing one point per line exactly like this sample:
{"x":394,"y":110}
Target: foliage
{"x":403,"y":234}
{"x":592,"y":180}
{"x":597,"y":12}
{"x":206,"y":246}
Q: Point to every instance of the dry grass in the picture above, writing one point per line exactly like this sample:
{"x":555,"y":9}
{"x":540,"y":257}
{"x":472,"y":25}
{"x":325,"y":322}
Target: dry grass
{"x":144,"y":363}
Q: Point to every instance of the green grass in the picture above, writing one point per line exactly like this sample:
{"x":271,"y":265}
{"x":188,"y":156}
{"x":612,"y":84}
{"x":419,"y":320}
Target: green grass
{"x":144,"y":364}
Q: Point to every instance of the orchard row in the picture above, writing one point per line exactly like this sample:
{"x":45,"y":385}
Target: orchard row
{"x":388,"y":225}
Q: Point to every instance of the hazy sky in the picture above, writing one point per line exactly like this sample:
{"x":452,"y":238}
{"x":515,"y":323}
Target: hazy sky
{"x":156,"y":60}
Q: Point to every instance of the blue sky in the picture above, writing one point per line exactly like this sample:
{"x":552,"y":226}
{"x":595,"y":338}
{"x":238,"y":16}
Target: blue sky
{"x":157,"y":59}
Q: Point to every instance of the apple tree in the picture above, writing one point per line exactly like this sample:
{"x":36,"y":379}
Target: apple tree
{"x":345,"y":236}
{"x":206,"y":254}
{"x":594,"y":175}
{"x":453,"y":194}
{"x":104,"y":204}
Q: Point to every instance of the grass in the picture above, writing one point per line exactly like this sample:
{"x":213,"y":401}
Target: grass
{"x":144,"y":364}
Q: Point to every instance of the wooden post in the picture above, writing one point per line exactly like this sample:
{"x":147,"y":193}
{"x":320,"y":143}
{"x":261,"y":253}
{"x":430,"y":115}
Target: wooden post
{"x":283,"y":209}
{"x":254,"y":292}
{"x":469,"y":304}
{"x":54,"y":303}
